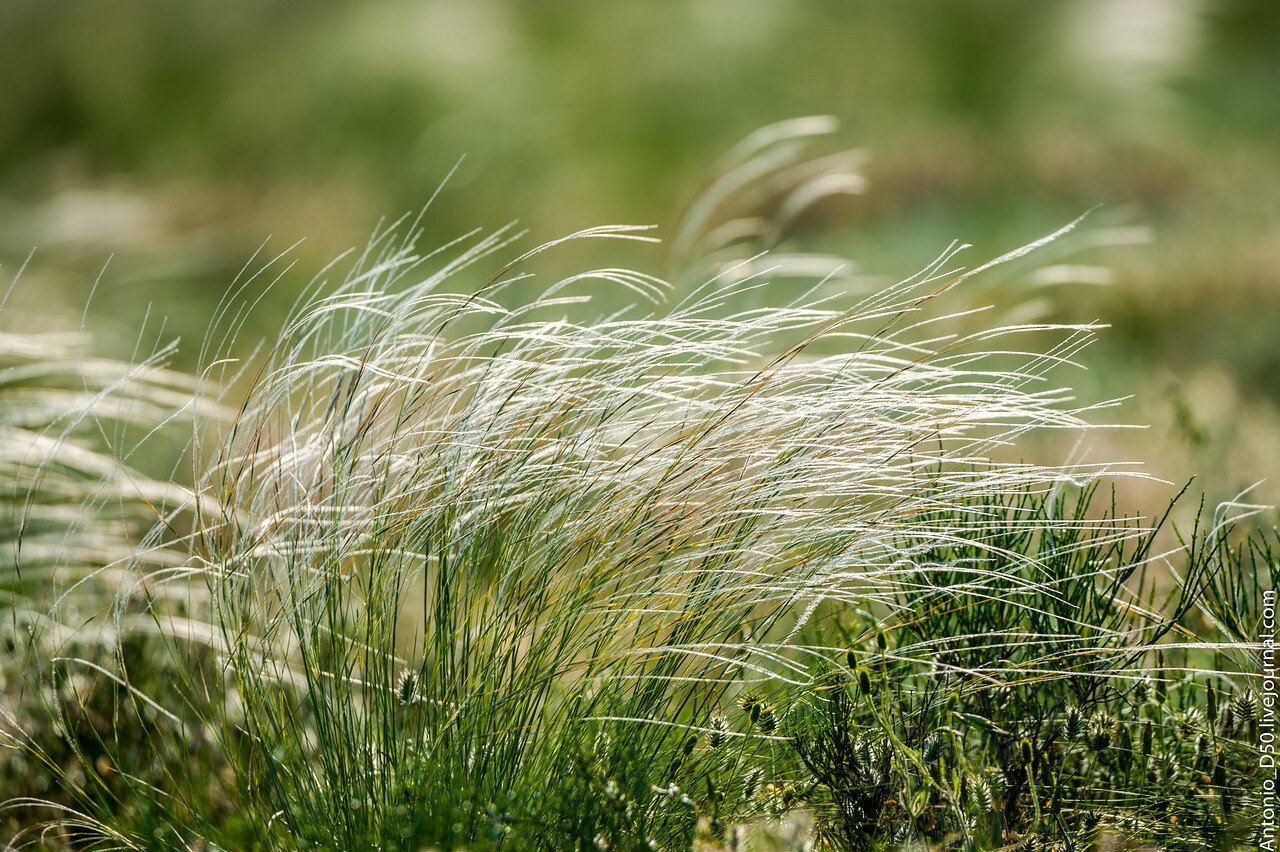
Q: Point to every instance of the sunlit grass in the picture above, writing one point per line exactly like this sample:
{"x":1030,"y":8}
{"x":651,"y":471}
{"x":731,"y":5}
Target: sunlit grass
{"x":467,"y":568}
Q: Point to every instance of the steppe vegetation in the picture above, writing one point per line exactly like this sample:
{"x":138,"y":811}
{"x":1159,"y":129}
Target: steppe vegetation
{"x":754,"y":556}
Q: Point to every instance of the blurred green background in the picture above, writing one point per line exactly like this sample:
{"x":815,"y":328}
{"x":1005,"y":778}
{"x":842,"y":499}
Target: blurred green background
{"x":176,"y":136}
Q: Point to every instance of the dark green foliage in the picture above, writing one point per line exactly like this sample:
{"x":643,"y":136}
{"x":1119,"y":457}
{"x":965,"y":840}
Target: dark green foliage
{"x":1040,"y":734}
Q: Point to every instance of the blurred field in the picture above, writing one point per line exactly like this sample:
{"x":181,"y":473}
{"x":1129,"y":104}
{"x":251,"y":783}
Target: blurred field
{"x":176,"y":137}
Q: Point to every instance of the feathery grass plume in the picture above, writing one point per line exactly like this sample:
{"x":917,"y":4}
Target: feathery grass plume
{"x":75,"y":518}
{"x":571,"y":524}
{"x":583,"y":535}
{"x":72,"y":509}
{"x":75,"y":509}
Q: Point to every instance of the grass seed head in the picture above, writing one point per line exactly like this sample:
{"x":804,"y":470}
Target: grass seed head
{"x":766,"y":719}
{"x":1073,"y":724}
{"x":719,"y":734}
{"x":1100,"y":735}
{"x":1246,"y":708}
{"x":865,"y":683}
{"x":407,"y":687}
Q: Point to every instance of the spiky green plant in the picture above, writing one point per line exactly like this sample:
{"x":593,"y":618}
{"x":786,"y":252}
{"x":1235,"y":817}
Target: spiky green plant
{"x":1012,"y":716}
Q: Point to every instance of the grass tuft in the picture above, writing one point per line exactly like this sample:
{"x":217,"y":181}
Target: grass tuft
{"x":473,"y":566}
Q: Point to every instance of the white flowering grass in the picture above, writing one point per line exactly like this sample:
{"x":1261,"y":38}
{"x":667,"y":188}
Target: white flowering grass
{"x":73,"y":507}
{"x":472,"y":557}
{"x":556,"y":527}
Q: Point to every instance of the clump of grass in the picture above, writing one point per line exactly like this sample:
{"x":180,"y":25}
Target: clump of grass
{"x":1052,"y":718}
{"x":75,"y":516}
{"x":477,"y":573}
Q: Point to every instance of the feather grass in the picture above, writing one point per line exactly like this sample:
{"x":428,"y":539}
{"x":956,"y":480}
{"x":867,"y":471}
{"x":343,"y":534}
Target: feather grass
{"x":455,"y":541}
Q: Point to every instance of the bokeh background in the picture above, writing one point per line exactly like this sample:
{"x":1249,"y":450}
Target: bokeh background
{"x":176,"y":137}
